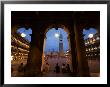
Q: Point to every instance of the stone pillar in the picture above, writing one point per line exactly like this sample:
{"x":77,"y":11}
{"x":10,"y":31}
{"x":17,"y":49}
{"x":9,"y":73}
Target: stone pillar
{"x":43,"y":54}
{"x":15,"y":28}
{"x":80,"y":48}
{"x":33,"y":67}
{"x":73,"y":53}
{"x":70,"y":60}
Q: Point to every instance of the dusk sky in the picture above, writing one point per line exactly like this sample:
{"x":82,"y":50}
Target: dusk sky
{"x":52,"y":42}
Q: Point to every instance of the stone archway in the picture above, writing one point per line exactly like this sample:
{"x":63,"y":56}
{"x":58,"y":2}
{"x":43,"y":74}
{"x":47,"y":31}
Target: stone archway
{"x":65,"y":29}
{"x":73,"y":21}
{"x":40,"y":37}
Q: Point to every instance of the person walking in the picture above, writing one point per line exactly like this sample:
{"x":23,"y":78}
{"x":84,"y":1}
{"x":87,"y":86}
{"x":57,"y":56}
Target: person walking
{"x":57,"y":68}
{"x":68,"y":69}
{"x":47,"y":66}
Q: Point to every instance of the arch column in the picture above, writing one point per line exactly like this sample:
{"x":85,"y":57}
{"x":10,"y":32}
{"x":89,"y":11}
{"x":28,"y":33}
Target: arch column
{"x":43,"y":53}
{"x":33,"y":67}
{"x":80,"y":48}
{"x":73,"y":54}
{"x":14,"y":28}
{"x":69,"y":45}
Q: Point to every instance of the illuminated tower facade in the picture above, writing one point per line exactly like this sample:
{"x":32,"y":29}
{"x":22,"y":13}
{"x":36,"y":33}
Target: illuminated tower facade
{"x":61,"y":45}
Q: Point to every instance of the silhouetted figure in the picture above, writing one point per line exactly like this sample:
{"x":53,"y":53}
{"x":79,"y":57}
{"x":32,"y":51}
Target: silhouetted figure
{"x":21,"y":70}
{"x":63,"y":68}
{"x":57,"y":68}
{"x":47,"y":66}
{"x":68,"y":69}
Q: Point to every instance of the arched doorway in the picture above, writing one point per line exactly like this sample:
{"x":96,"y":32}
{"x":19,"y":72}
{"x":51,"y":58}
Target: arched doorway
{"x":56,"y":50}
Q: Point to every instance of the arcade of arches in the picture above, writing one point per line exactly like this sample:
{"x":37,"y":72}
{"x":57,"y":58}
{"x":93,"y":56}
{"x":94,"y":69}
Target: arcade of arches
{"x":40,"y":22}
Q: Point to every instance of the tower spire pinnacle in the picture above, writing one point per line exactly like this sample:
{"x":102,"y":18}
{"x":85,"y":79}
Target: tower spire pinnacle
{"x":61,"y":45}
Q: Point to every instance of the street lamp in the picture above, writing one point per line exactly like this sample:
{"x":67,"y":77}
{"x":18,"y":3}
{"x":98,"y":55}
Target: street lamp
{"x":23,"y":35}
{"x":90,"y":35}
{"x":56,"y":35}
{"x":11,"y":57}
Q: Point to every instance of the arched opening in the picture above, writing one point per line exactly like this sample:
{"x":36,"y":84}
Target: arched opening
{"x":25,"y":33}
{"x":92,"y":50}
{"x":20,"y":45}
{"x":56,"y":50}
{"x":42,"y":22}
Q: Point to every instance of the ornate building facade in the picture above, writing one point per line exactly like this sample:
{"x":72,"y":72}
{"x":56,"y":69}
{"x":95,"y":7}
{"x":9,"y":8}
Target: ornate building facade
{"x":19,"y":51}
{"x":92,"y":46}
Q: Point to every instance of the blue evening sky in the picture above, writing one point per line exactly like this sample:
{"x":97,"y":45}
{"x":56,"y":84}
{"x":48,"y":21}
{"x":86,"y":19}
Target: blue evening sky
{"x":52,"y":43}
{"x":87,"y":32}
{"x":27,"y":32}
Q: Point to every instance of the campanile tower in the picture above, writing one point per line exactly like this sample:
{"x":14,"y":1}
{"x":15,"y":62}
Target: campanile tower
{"x":61,"y":45}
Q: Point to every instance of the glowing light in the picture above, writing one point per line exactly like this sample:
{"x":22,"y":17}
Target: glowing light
{"x":11,"y":57}
{"x":90,"y":41}
{"x":56,"y":35}
{"x":94,"y":40}
{"x":92,"y":49}
{"x":97,"y":38}
{"x":90,"y":35}
{"x":23,"y":35}
{"x":85,"y":43}
{"x":66,"y":54}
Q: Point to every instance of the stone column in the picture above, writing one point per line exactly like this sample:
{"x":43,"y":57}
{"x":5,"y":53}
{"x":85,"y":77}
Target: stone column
{"x":70,"y":55}
{"x":43,"y":54}
{"x":73,"y":53}
{"x":80,"y":48}
{"x":15,"y":28}
{"x":33,"y":67}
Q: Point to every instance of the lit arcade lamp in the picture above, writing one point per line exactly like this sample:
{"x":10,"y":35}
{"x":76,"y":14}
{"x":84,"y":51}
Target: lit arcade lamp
{"x":90,"y":35}
{"x":23,"y":35}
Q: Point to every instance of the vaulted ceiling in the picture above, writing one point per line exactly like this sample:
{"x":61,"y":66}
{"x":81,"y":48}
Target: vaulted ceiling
{"x":35,"y":18}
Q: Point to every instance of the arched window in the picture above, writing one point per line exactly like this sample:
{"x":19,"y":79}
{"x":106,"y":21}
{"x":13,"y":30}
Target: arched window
{"x":25,"y":33}
{"x":88,"y":32}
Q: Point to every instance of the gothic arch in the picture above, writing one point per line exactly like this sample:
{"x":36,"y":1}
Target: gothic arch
{"x":56,"y":26}
{"x":16,"y":27}
{"x":49,"y":27}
